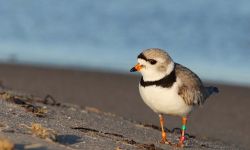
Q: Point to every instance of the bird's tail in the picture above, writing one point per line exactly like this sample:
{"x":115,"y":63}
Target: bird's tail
{"x":211,"y":90}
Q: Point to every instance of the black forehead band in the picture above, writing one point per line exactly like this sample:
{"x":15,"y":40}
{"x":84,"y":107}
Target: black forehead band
{"x":141,"y":56}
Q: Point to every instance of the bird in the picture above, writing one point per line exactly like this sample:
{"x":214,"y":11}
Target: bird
{"x":169,"y":88}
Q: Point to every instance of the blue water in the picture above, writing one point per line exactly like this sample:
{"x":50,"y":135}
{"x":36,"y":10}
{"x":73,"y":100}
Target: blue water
{"x":210,"y":37}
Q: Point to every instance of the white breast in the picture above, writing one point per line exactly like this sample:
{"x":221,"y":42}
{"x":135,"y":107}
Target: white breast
{"x":165,"y":100}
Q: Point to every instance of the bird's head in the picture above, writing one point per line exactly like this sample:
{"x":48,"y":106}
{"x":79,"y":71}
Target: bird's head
{"x":153,"y":64}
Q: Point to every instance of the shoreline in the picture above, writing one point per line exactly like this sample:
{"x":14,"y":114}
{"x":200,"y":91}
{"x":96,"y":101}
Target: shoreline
{"x":100,"y":70}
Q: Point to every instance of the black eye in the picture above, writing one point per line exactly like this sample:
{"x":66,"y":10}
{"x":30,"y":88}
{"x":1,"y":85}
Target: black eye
{"x":152,"y":61}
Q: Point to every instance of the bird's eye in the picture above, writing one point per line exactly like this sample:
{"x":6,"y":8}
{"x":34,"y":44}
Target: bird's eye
{"x":152,"y":61}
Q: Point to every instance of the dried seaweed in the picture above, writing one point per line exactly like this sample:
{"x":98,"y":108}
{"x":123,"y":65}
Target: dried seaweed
{"x":27,"y":102}
{"x":37,"y":110}
{"x":6,"y":144}
{"x":96,"y":110}
{"x":116,"y":137}
{"x":41,"y":132}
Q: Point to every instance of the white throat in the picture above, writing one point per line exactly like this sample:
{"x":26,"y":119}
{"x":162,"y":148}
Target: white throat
{"x":154,"y":75}
{"x":170,"y":68}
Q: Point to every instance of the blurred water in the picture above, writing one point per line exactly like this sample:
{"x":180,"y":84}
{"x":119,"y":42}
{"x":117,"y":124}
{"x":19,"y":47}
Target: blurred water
{"x":210,"y":37}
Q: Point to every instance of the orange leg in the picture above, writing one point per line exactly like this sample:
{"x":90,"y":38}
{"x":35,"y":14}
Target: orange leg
{"x":163,"y":133}
{"x":183,"y":128}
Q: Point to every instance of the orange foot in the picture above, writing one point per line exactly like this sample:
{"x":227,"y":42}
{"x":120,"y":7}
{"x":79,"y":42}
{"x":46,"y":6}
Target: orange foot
{"x":164,"y":139}
{"x":165,"y":142}
{"x":181,"y":142}
{"x":181,"y":145}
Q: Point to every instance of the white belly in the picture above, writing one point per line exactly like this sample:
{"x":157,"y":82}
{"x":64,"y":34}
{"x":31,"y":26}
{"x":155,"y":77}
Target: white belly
{"x":164,"y":100}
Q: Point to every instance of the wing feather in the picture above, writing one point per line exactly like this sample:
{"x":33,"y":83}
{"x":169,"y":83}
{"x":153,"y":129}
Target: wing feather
{"x":192,"y":90}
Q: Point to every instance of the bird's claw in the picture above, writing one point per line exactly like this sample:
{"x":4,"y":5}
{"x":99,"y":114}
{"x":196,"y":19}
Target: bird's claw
{"x":164,"y":141}
{"x":181,"y":145}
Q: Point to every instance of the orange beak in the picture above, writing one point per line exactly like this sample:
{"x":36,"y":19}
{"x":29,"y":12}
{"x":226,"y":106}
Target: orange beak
{"x":137,"y":67}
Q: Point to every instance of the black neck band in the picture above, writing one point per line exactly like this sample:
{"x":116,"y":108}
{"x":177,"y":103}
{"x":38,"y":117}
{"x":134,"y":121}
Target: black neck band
{"x":166,"y":82}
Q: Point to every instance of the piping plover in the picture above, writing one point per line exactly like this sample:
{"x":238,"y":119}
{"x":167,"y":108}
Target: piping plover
{"x":169,"y":88}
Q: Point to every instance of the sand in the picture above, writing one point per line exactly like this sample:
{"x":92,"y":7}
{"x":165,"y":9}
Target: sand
{"x":224,"y":116}
{"x":50,"y":125}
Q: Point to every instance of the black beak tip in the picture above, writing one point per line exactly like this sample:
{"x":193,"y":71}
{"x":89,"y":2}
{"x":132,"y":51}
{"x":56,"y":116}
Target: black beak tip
{"x":132,"y":69}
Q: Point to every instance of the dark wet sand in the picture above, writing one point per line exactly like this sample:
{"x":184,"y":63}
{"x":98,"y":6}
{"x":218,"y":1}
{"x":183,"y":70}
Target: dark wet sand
{"x":225,"y":116}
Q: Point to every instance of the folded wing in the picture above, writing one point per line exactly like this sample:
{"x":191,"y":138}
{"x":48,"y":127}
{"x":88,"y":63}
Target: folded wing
{"x":192,"y":89}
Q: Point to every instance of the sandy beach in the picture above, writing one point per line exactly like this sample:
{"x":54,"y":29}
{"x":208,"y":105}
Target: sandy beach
{"x":224,"y":116}
{"x":52,"y":125}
